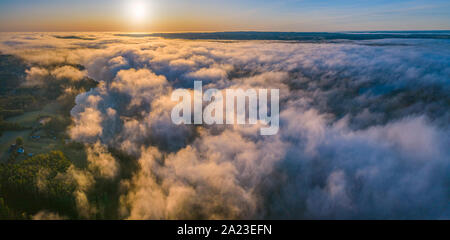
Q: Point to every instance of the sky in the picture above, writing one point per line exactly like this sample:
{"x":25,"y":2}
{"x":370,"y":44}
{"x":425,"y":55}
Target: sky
{"x":230,"y":15}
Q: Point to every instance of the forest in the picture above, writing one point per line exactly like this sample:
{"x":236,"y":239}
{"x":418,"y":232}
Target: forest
{"x":45,"y":180}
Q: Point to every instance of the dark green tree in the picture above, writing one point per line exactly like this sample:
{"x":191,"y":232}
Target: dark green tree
{"x":19,"y":141}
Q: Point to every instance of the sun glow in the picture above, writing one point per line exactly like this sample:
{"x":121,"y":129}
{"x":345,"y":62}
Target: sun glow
{"x":138,"y":11}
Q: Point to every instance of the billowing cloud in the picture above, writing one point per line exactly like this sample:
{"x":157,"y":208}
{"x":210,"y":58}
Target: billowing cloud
{"x":364,"y":128}
{"x":36,"y":76}
{"x":41,"y":75}
{"x":101,"y":162}
{"x":83,"y":180}
{"x":45,"y":215}
{"x":68,"y":72}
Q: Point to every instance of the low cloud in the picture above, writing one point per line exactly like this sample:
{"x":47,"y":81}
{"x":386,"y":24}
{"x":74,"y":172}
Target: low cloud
{"x":68,"y":72}
{"x":363,"y":133}
{"x":36,"y":76}
{"x":45,"y":215}
{"x":101,"y":162}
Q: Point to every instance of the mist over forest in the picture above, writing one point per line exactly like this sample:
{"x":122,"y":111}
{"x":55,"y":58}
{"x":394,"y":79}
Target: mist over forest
{"x":364,"y":126}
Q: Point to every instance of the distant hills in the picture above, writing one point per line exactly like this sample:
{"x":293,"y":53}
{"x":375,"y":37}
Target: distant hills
{"x":300,"y":36}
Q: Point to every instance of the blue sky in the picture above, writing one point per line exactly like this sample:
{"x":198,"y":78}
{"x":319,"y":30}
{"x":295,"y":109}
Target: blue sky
{"x":230,"y":15}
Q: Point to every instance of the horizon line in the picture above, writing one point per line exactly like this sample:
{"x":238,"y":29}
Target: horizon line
{"x":229,"y":31}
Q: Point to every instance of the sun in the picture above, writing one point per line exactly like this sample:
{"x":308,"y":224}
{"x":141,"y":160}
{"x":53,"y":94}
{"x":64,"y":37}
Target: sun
{"x":138,"y":10}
